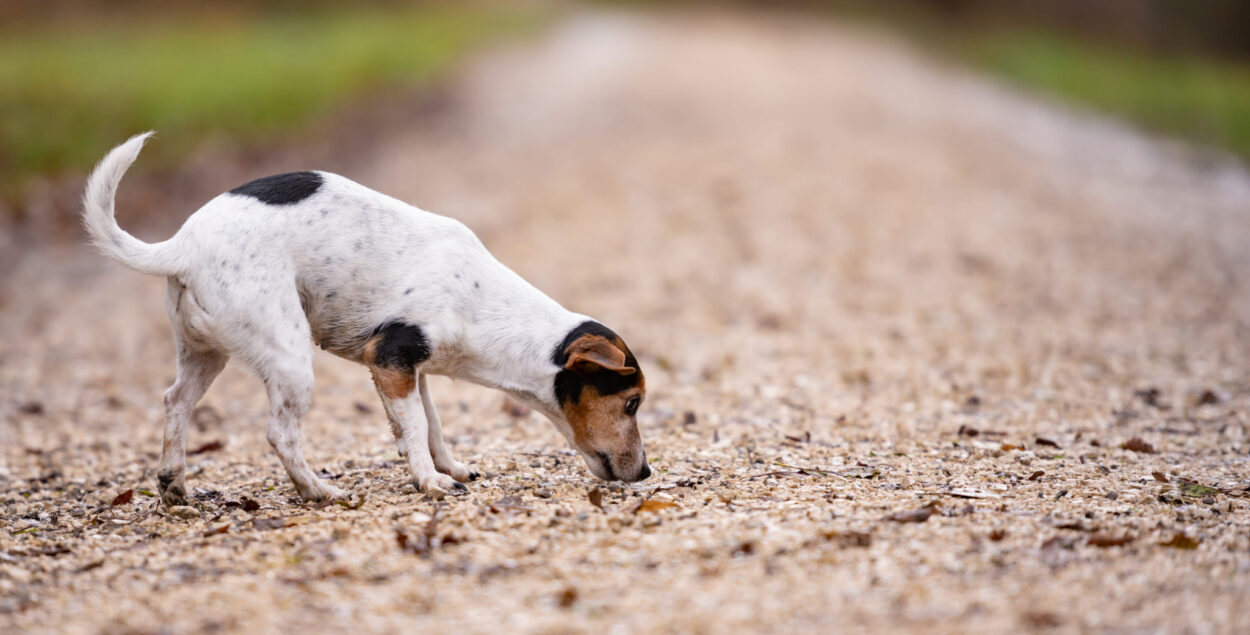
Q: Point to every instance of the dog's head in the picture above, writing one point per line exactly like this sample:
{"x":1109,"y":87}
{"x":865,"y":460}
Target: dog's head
{"x":598,"y":390}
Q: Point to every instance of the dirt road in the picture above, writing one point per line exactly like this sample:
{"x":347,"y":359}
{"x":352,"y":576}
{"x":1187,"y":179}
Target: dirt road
{"x":863,"y":286}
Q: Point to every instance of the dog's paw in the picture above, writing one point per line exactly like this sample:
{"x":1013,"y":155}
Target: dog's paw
{"x":460,"y":472}
{"x":439,"y":486}
{"x":173,"y":489}
{"x":324,"y":493}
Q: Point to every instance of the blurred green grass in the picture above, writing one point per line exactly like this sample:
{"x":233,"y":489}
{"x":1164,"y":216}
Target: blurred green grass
{"x":1203,"y":99}
{"x":71,"y":92}
{"x":1194,"y":96}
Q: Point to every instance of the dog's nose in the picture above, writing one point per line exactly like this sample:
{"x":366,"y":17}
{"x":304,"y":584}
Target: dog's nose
{"x":645,"y":473}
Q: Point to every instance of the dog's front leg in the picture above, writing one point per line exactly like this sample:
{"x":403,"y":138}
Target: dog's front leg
{"x":443,"y":460}
{"x":402,"y":401}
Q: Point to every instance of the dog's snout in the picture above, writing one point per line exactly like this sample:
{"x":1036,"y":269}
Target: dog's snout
{"x":645,"y":473}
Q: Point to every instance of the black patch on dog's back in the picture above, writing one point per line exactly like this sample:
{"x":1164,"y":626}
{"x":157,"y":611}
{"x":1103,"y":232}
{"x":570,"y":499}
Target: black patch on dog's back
{"x":400,"y":346}
{"x":568,"y":385}
{"x":282,"y":189}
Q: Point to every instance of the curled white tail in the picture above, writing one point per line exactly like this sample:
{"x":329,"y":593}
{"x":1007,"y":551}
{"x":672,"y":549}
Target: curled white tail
{"x":97,"y":215}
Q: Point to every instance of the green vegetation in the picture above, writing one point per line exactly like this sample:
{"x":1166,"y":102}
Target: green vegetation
{"x":1202,"y":99}
{"x":70,"y":92}
{"x":1195,"y":96}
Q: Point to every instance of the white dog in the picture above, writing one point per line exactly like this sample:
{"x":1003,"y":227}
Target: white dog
{"x":266,"y":269}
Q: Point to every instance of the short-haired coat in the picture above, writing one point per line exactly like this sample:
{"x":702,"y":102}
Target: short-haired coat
{"x":266,"y":270}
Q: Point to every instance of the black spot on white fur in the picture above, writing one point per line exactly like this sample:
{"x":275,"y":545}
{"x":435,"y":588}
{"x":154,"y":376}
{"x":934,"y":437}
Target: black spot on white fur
{"x":400,"y":346}
{"x":282,"y":189}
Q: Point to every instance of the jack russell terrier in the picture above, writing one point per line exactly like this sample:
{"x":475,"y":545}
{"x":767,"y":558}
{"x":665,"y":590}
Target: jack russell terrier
{"x":267,"y":269}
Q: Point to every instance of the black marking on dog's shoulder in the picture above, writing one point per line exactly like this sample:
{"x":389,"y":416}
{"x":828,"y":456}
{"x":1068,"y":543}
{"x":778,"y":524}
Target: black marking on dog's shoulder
{"x":282,"y":189}
{"x":568,"y":384}
{"x":400,"y":345}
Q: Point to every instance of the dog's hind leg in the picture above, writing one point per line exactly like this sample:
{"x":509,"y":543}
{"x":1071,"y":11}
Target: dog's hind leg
{"x":272,"y":335}
{"x":288,"y":378}
{"x":196,"y":371}
{"x":198,"y":364}
{"x":443,"y":460}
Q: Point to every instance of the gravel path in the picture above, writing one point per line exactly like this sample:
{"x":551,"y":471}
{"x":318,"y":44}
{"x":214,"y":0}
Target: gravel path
{"x":866,"y":289}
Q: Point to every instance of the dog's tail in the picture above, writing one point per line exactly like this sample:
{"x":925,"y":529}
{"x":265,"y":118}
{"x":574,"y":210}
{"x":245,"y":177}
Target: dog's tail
{"x":97,"y":215}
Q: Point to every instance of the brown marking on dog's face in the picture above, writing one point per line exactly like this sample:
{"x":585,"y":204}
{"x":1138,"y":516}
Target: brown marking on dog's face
{"x":599,"y":398}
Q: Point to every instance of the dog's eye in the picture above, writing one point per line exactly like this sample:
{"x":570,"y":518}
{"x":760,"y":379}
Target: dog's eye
{"x":631,"y":406}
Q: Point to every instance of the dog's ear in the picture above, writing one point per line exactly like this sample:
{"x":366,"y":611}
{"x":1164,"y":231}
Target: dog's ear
{"x":590,"y":353}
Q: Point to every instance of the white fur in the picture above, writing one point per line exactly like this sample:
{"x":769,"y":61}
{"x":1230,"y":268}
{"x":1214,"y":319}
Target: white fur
{"x":263,"y":282}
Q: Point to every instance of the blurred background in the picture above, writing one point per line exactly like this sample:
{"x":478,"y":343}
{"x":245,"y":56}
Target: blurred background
{"x":982,"y":254}
{"x":234,"y":78}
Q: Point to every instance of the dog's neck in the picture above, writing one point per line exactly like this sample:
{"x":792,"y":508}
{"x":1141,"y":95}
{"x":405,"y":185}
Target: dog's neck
{"x":511,"y":341}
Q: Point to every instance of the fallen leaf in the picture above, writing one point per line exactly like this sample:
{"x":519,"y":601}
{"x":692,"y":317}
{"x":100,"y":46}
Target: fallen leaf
{"x":219,"y":529}
{"x":596,"y":497}
{"x":1181,"y":541}
{"x":997,"y":534}
{"x":147,"y":492}
{"x":652,"y":505}
{"x":1042,"y":619}
{"x":123,"y":498}
{"x":567,"y":597}
{"x":345,"y":504}
{"x":1036,"y":475}
{"x":968,"y":431}
{"x":1007,"y":447}
{"x":1101,"y":539}
{"x":1046,"y":442}
{"x":1160,"y":476}
{"x":211,"y":446}
{"x":1208,"y":398}
{"x":914,"y":515}
{"x":1195,"y":490}
{"x":1059,"y":542}
{"x":1136,"y":444}
{"x":849,"y":538}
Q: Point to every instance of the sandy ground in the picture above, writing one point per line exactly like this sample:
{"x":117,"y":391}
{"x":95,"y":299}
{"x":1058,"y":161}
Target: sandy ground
{"x":865,"y":288}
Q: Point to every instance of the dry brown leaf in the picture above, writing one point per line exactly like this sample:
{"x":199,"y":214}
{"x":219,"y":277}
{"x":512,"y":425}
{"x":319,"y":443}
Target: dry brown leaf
{"x":219,"y":529}
{"x":1101,"y":539}
{"x":652,"y":505}
{"x":211,"y":446}
{"x":567,"y":597}
{"x":997,"y":534}
{"x":1160,"y":476}
{"x":123,"y":498}
{"x":1181,"y":541}
{"x":913,"y":515}
{"x":1136,"y":444}
{"x":596,"y":497}
{"x":1045,"y":442}
{"x":1036,"y":475}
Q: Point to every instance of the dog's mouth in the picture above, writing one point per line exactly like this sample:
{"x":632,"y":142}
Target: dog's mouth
{"x":606,"y":464}
{"x":606,"y":472}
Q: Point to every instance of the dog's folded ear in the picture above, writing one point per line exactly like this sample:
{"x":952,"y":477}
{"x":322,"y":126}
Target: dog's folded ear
{"x":592,"y":353}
